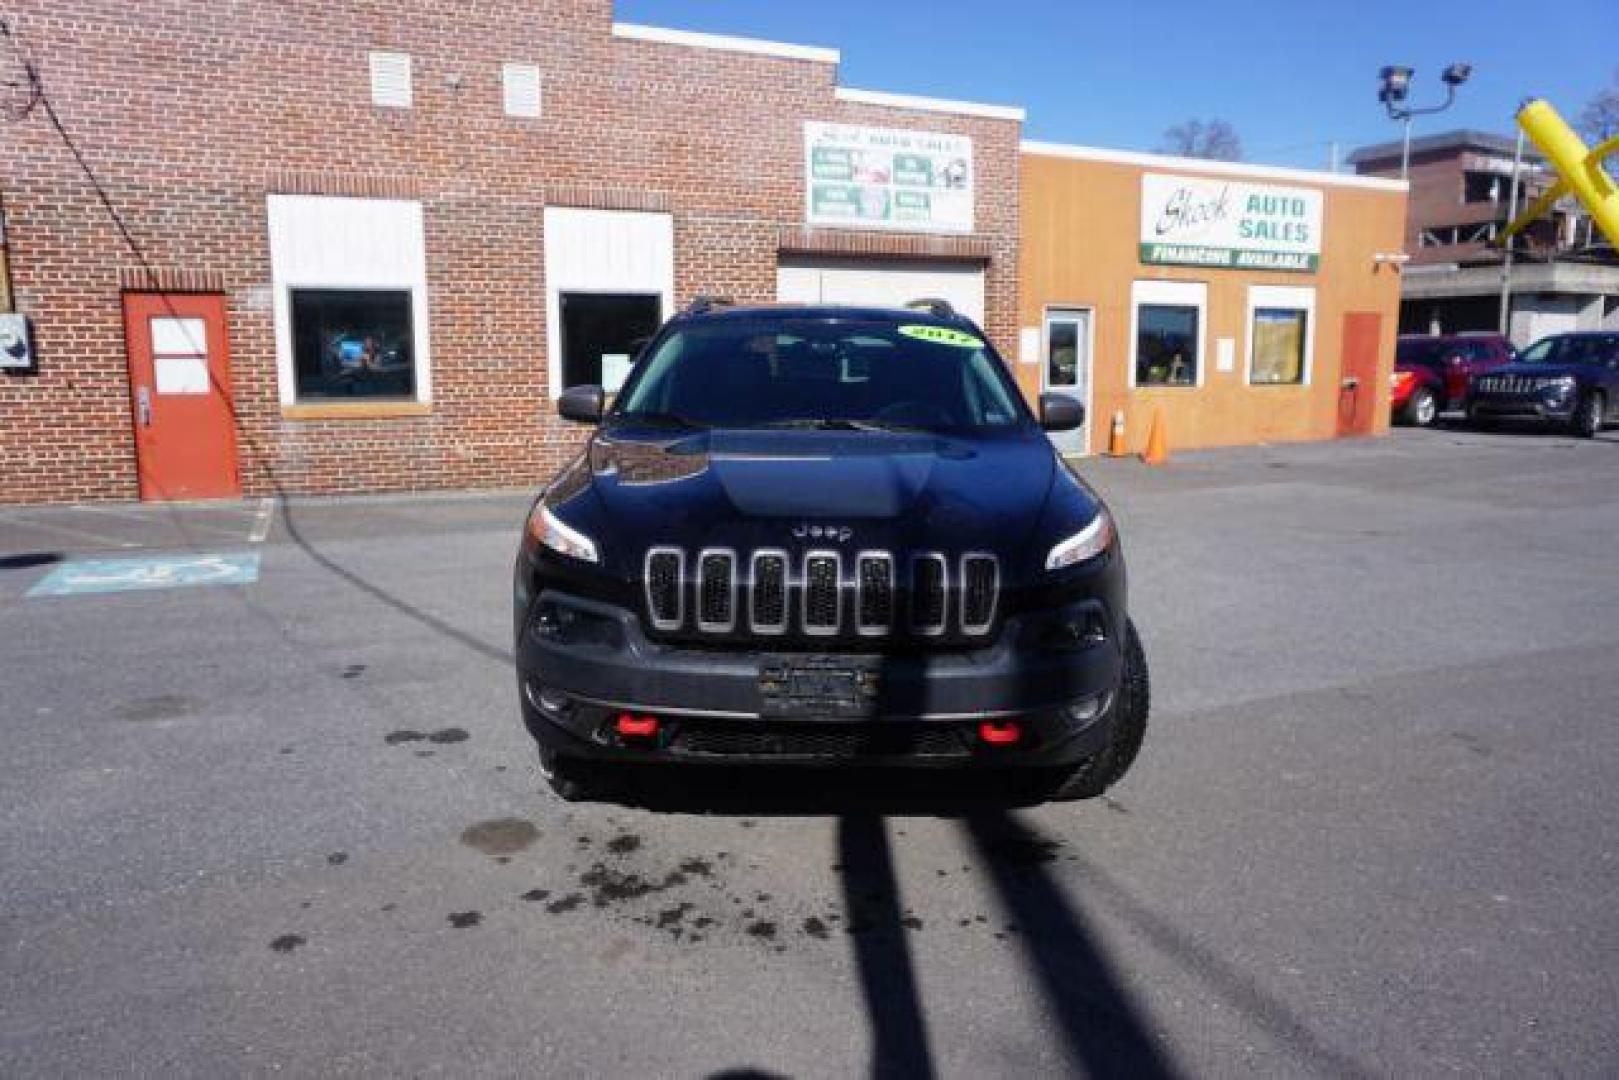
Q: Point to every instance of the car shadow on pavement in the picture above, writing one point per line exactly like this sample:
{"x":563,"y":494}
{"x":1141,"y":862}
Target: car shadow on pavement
{"x":878,"y":928}
{"x":1519,"y":429}
{"x":1104,"y":1033}
{"x":797,"y":791}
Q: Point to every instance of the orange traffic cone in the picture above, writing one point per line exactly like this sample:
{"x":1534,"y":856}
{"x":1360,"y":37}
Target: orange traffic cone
{"x":1157,"y":444}
{"x":1115,"y":439}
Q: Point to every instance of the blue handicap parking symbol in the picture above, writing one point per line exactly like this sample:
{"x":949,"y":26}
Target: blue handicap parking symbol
{"x":81,"y":576}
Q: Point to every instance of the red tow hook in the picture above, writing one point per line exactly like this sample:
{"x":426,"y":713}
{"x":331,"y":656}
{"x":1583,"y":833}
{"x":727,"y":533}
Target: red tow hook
{"x":636,"y":727}
{"x":1009,"y":733}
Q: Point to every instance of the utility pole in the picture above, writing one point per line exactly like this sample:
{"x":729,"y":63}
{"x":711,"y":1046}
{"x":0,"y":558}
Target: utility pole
{"x":1506,"y":260}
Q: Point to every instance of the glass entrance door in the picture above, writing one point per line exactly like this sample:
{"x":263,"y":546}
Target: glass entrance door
{"x":1067,"y":369}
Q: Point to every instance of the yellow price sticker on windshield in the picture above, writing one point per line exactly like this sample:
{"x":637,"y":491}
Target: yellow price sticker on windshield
{"x":942,"y":335}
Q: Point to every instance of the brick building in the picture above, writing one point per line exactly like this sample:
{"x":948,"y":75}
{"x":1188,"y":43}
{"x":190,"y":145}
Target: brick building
{"x":1564,"y":277}
{"x":372,"y":243}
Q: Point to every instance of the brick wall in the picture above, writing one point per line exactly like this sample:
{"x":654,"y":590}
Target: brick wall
{"x":191,"y":114}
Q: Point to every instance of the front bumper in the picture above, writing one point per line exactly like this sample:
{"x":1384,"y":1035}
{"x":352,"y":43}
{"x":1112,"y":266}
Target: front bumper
{"x":715,"y":706}
{"x":1538,"y":405}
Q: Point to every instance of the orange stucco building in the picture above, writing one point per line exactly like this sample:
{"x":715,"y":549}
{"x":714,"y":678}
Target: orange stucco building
{"x":1237,"y":303}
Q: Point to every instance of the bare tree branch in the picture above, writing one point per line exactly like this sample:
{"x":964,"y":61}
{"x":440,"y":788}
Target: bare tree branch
{"x":1600,"y":118}
{"x":1214,"y":139}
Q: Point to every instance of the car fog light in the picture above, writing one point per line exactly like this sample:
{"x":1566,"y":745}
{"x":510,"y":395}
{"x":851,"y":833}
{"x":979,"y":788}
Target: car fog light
{"x":549,"y":700}
{"x":1087,"y":709}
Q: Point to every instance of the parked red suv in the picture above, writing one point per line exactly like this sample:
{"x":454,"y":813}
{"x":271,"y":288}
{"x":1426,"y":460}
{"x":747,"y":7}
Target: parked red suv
{"x":1432,"y":373}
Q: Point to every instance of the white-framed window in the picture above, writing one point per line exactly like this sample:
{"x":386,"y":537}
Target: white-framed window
{"x":609,"y":284}
{"x":1168,"y":330}
{"x":391,"y":79}
{"x":350,"y":298}
{"x":1281,"y":335}
{"x":520,"y":90}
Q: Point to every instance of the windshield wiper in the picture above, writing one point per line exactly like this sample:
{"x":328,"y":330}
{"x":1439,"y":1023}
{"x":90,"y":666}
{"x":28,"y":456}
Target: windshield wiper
{"x":827,"y":423}
{"x":663,"y":419}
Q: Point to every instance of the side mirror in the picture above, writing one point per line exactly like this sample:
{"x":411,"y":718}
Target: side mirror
{"x":582,"y":404}
{"x":1059,"y":412}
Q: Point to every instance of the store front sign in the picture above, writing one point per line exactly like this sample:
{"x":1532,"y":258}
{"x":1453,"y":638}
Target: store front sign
{"x":878,"y":178}
{"x":1196,"y":221}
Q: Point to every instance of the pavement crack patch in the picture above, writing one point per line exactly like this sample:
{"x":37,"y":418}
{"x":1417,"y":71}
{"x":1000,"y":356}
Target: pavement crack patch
{"x":500,"y":837}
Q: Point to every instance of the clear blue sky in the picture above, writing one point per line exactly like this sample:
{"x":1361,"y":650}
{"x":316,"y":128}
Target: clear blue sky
{"x":1291,"y":75}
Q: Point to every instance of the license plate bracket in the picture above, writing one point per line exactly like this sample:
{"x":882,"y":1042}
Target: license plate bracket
{"x":818,"y":686}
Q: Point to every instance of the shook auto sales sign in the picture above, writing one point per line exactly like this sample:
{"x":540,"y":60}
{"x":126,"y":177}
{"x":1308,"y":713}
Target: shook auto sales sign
{"x":1197,"y":221}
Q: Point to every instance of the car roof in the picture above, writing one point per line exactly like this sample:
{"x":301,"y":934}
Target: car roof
{"x":785,"y":309}
{"x":1468,"y":335}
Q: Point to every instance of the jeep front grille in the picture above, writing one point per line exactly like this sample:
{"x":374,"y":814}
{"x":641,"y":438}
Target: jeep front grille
{"x":823,"y":593}
{"x":930,"y":591}
{"x":768,"y":612}
{"x":980,"y":585}
{"x":665,"y":591}
{"x":820,"y":594}
{"x":716,"y":591}
{"x":874,"y":614}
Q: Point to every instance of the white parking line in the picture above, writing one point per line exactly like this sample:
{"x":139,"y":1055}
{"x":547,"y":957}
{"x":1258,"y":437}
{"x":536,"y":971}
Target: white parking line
{"x":261,"y":524}
{"x":67,"y":530}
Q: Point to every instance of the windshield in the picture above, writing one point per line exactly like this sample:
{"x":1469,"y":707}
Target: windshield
{"x":1428,"y":352}
{"x":1572,"y":349}
{"x":827,"y":372}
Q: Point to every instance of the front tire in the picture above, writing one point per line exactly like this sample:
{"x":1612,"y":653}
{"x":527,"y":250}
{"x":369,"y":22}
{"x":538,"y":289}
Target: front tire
{"x":1422,"y":409}
{"x":571,"y":779}
{"x":1093,"y":777}
{"x":1587,"y":419}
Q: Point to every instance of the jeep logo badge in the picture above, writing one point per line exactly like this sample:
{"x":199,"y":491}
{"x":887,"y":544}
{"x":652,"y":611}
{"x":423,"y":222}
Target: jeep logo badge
{"x":840,"y":533}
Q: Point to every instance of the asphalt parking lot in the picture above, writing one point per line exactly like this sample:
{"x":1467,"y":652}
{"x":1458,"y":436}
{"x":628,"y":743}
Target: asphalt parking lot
{"x":275,"y":811}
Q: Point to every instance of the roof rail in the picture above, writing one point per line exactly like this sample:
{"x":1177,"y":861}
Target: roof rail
{"x":704,"y":302}
{"x":941,"y":309}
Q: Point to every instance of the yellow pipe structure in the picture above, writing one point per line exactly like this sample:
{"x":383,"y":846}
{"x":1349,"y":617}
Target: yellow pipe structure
{"x":1578,"y":167}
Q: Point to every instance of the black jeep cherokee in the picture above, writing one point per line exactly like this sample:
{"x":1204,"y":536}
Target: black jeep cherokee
{"x":825,"y":535}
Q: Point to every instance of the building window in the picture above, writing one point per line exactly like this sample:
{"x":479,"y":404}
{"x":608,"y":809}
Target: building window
{"x":1480,"y":187}
{"x":351,"y":303}
{"x":353,"y":343}
{"x":390,"y":80}
{"x":1280,"y":322}
{"x":1166,"y":345}
{"x":609,"y":280}
{"x":602,"y":333}
{"x":1278,"y":346}
{"x":1168,"y":319}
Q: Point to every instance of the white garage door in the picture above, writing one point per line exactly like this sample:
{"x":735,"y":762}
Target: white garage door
{"x":881,"y":282}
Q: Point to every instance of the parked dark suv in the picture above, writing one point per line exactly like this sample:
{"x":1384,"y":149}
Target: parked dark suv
{"x":1432,"y":373}
{"x":826,"y":535}
{"x":1568,"y":379}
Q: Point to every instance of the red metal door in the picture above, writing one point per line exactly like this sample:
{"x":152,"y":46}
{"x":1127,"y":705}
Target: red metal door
{"x":1360,"y":394}
{"x":179,"y":381}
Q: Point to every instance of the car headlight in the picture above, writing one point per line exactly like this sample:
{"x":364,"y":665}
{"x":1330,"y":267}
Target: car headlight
{"x":551,"y":531}
{"x":1561,"y":385}
{"x":1087,"y":543}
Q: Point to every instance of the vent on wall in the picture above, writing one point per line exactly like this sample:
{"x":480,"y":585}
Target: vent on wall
{"x":521,"y":86}
{"x":390,"y":80}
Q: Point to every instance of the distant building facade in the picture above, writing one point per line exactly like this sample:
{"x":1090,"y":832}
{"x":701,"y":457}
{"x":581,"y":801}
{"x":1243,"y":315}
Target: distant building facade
{"x":1565,"y":276}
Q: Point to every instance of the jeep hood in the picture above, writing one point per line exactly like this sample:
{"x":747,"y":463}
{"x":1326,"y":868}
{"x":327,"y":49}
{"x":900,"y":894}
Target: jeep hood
{"x":1537,"y":371}
{"x":796,"y":490}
